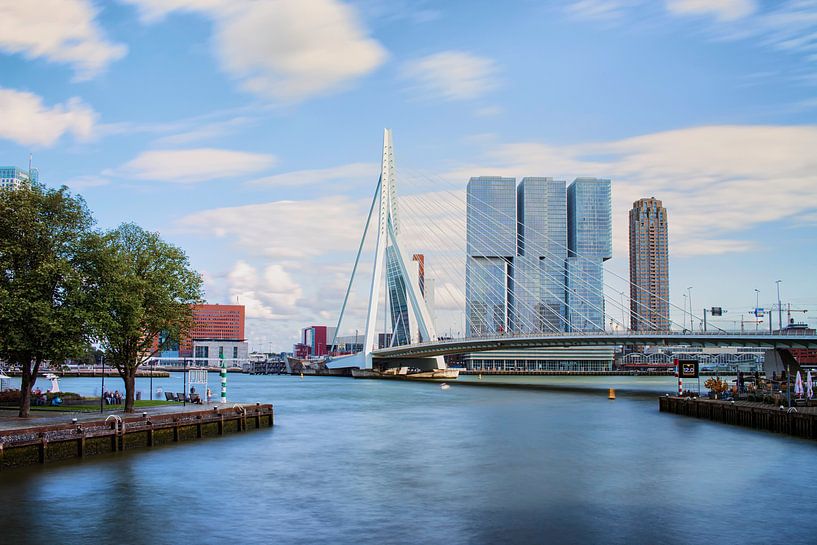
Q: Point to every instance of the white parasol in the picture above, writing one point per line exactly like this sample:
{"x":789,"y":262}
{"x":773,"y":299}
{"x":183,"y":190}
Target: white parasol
{"x":809,"y":385}
{"x":798,"y":384}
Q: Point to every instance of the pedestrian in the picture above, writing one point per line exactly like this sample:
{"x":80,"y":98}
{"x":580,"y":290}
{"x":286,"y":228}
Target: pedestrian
{"x":209,"y":394}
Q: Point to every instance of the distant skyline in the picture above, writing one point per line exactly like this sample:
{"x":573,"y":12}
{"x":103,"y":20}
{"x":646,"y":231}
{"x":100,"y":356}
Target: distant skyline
{"x":250,"y":133}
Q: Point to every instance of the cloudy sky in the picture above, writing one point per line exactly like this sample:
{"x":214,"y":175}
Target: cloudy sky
{"x":249,"y":132}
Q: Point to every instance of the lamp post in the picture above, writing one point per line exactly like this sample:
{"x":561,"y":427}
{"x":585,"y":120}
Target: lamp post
{"x":102,"y":393}
{"x":757,"y":305}
{"x":691,"y":323}
{"x":685,"y":312}
{"x":779,"y":307}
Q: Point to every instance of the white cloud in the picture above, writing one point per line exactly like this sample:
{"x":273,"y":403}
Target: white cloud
{"x":354,"y":171}
{"x":29,"y":122}
{"x":288,"y":50}
{"x":194,"y":165}
{"x":724,"y":10}
{"x":284,"y":229}
{"x":270,"y":295}
{"x":452,"y":75}
{"x":716,"y":181}
{"x":62,"y":31}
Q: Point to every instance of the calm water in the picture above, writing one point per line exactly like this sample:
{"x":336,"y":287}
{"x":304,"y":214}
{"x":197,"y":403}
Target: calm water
{"x":363,"y":461}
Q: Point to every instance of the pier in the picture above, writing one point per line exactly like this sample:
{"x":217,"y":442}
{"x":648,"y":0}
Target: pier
{"x":796,"y":421}
{"x":24,"y":442}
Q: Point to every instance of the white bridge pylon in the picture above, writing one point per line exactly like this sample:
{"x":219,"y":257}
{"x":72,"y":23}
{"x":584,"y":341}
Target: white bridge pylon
{"x":404,"y":293}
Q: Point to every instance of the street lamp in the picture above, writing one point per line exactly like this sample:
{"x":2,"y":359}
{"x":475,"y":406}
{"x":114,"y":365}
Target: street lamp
{"x":779,"y":307}
{"x":691,"y":323}
{"x":757,"y":305}
{"x":685,"y":312}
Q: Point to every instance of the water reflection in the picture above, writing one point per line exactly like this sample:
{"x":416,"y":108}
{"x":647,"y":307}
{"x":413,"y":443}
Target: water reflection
{"x":387,"y":462}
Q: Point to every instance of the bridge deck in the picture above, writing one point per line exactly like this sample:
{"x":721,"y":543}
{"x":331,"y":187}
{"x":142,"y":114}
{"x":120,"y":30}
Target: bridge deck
{"x":504,"y":342}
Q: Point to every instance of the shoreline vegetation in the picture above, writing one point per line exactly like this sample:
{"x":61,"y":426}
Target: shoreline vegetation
{"x":69,"y":289}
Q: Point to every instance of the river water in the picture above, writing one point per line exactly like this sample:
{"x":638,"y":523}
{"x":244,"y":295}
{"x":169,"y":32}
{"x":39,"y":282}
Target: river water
{"x":368,"y":461}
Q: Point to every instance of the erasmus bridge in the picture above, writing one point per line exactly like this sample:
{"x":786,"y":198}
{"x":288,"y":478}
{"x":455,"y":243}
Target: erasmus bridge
{"x":416,"y":343}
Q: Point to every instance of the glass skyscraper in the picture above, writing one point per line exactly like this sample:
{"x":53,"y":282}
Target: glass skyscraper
{"x":590,"y":243}
{"x":491,"y":248}
{"x":535,"y":254}
{"x":539,"y":273}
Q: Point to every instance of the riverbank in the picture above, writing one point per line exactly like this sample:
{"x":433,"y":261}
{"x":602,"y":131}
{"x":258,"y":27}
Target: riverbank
{"x":48,"y":439}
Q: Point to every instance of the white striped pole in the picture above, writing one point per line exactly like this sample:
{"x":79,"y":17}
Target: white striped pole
{"x":680,"y":380}
{"x":223,"y":379}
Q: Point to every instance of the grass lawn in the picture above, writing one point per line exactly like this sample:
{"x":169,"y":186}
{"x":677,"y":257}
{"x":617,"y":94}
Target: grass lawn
{"x":94,"y":406}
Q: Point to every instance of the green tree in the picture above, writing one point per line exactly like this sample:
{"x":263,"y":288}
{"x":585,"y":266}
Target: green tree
{"x":147,"y":289}
{"x":45,"y":302}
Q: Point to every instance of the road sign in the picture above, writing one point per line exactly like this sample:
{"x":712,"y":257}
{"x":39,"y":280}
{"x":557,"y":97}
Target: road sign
{"x":716,"y":311}
{"x":759,"y":312}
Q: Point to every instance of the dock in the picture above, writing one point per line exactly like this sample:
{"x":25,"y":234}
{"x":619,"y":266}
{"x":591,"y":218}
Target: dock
{"x":45,"y":440}
{"x":796,"y":421}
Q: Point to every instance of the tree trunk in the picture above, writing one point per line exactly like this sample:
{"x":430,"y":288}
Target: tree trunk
{"x":29,"y":377}
{"x":129,"y":376}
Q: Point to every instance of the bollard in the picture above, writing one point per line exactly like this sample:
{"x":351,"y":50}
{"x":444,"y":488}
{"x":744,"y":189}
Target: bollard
{"x":611,"y":393}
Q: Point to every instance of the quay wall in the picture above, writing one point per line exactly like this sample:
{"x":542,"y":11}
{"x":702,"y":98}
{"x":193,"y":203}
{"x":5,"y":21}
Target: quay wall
{"x":45,"y":444}
{"x":748,"y":415}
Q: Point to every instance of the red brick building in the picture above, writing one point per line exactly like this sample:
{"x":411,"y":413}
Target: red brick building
{"x":214,"y":322}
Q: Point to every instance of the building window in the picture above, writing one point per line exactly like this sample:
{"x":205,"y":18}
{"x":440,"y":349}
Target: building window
{"x":235,"y":352}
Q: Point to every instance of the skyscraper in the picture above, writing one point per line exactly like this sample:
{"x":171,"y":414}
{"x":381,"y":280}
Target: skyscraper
{"x":590,"y":243}
{"x":539,"y":273}
{"x":649,"y":266}
{"x":526,"y":264}
{"x":491,"y":247}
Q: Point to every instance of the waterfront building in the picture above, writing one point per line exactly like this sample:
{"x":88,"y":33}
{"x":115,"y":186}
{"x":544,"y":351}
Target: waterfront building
{"x":649,"y":266}
{"x":490,"y":251}
{"x":316,"y":339}
{"x":217,"y":331}
{"x":14,"y":178}
{"x":523,"y":269}
{"x":578,"y":358}
{"x":590,"y":244}
{"x":539,"y":274}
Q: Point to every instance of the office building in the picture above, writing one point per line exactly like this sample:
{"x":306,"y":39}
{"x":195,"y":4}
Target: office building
{"x":539,"y":272}
{"x":491,"y":248}
{"x":590,"y":244}
{"x":526,"y":266}
{"x":649,"y":266}
{"x":14,"y":178}
{"x":217,"y":333}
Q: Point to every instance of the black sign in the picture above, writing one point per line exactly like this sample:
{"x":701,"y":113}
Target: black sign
{"x":687,"y":368}
{"x":717,"y":311}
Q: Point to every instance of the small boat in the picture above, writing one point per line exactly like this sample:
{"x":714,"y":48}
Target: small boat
{"x":444,"y":386}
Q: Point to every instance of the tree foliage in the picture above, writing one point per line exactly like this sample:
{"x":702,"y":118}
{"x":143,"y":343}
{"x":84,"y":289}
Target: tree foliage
{"x":46,"y":306}
{"x":146,"y":290}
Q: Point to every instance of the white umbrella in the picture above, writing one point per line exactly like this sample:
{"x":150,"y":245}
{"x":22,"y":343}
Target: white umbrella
{"x":798,"y":384}
{"x":809,"y":385}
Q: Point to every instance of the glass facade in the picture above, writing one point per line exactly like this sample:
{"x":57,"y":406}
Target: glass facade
{"x":590,"y":243}
{"x":539,"y":282}
{"x":15,"y":178}
{"x":535,"y":254}
{"x":491,"y":247}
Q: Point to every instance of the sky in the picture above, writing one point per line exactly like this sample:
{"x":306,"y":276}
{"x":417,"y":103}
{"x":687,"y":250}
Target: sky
{"x":249,"y":133}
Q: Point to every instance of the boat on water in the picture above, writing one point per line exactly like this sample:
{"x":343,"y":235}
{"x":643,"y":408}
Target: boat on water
{"x":405,"y":373}
{"x":312,"y":366}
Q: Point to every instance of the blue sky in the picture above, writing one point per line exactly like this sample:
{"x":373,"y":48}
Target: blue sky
{"x":249,"y":132}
